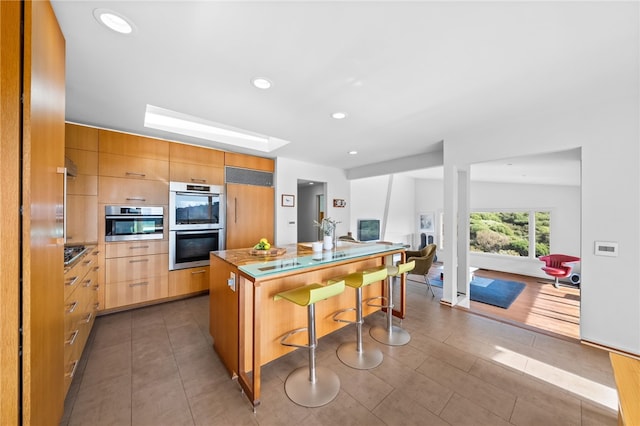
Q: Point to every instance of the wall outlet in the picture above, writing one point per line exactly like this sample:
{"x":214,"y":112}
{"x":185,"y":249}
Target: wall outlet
{"x":231,"y":281}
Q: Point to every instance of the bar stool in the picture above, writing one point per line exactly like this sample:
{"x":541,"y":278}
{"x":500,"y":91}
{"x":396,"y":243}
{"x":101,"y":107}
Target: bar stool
{"x":392,"y":335}
{"x":310,"y":386}
{"x":356,"y":354}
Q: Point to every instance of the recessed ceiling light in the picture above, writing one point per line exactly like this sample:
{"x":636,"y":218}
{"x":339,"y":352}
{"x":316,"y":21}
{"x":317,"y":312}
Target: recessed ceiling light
{"x":261,"y":83}
{"x":339,"y":115}
{"x":354,"y":152}
{"x":113,"y":21}
{"x":311,"y":183}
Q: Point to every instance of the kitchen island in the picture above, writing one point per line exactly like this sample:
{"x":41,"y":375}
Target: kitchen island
{"x":246,"y":323}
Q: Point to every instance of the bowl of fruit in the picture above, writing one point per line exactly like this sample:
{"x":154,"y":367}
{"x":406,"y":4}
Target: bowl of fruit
{"x":264,"y":248}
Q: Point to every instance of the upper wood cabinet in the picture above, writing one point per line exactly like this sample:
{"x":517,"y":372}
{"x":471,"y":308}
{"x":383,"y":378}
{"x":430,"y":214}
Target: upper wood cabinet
{"x":182,"y":153}
{"x":81,"y":137}
{"x":195,"y":164}
{"x":248,"y":162}
{"x":116,"y":165}
{"x":133,"y":145}
{"x":132,"y":192}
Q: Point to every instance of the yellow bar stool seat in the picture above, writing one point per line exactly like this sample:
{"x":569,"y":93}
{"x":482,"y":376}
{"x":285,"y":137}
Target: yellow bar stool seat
{"x":392,"y":335}
{"x":358,"y":354}
{"x":310,"y":386}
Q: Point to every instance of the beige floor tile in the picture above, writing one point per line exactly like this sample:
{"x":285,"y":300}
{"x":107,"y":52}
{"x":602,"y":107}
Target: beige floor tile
{"x":156,"y":365}
{"x":162,"y":403}
{"x":463,"y":412}
{"x":105,"y":403}
{"x":399,"y":408}
{"x":484,"y":394}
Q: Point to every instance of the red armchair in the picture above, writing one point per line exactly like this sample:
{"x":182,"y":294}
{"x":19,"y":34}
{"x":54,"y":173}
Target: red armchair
{"x":558,"y":265}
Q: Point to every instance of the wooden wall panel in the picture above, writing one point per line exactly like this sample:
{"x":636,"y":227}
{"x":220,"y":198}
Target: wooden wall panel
{"x":10,"y":66}
{"x":42,"y":191}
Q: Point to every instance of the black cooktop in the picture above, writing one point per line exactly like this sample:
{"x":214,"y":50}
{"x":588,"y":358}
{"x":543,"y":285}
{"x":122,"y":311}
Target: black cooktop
{"x":71,"y":253}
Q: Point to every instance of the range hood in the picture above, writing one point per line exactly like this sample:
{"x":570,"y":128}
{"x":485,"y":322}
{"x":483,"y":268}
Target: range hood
{"x":72,"y":169}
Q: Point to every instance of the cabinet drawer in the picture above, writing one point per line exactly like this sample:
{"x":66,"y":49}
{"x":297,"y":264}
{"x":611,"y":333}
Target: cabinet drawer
{"x":135,"y":192}
{"x":196,"y":173}
{"x":136,"y":267}
{"x":132,"y":145}
{"x":181,"y":153}
{"x":133,"y":167}
{"x":186,"y":281}
{"x":135,"y":291}
{"x":136,"y":248}
{"x":74,"y":276}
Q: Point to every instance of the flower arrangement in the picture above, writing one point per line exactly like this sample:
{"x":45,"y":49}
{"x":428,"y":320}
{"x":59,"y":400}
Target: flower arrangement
{"x":327,"y":225}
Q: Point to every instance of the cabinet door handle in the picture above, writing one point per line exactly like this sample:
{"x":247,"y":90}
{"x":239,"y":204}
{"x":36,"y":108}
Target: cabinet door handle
{"x":73,"y":370}
{"x":72,"y":307}
{"x":139,"y":284}
{"x":96,"y":306}
{"x":135,"y":174}
{"x":138,"y":260}
{"x":72,"y":339}
{"x":88,"y":262}
{"x":138,"y":247}
{"x":96,"y":287}
{"x":95,"y":253}
{"x":198,"y":180}
{"x":71,"y":281}
{"x":235,"y":209}
{"x":198,"y":272}
{"x":88,"y":319}
{"x":87,"y":283}
{"x":136,"y":199}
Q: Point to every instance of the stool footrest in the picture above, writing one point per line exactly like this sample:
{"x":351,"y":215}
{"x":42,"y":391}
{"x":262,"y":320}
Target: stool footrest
{"x":295,"y":345}
{"x":373,"y":305}
{"x":340,"y":312}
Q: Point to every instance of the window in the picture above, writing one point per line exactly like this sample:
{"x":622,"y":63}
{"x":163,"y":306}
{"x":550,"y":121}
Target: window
{"x":510,"y":233}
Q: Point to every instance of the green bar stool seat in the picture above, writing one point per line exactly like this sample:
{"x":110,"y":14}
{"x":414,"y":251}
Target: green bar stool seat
{"x":310,"y":386}
{"x":392,"y":335}
{"x":357,"y":354}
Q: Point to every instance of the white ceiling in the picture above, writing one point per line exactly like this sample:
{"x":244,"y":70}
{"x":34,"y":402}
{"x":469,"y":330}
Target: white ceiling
{"x":406,"y":73}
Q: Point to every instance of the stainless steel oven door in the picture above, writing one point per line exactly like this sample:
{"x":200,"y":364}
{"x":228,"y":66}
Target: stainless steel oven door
{"x":126,"y":223}
{"x":195,"y":206}
{"x":190,"y":249}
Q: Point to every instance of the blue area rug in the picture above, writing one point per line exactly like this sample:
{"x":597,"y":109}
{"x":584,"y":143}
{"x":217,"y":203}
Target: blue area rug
{"x":499,"y":293}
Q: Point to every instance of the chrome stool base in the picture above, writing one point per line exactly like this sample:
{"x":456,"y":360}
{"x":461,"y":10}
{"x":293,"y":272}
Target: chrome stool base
{"x":303,"y":392}
{"x":396,"y":336}
{"x":369,"y":357}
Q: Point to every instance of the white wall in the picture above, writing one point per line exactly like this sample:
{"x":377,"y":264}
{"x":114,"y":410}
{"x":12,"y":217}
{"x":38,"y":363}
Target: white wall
{"x":389,"y":198}
{"x":608,"y":133}
{"x":287,"y":174}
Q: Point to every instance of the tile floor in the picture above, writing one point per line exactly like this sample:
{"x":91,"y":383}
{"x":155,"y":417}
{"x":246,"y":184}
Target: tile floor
{"x":156,"y":366}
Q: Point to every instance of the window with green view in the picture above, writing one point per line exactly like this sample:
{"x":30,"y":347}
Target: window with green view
{"x":510,"y":233}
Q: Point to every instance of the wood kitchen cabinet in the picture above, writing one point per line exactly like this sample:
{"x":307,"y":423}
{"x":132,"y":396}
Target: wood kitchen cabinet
{"x":194,"y":164}
{"x":80,"y":308}
{"x":250,"y":200}
{"x":133,"y":167}
{"x":135,"y":272}
{"x":132,"y":192}
{"x":130,"y":145}
{"x":250,"y":215}
{"x":81,"y":147}
{"x":188,"y":281}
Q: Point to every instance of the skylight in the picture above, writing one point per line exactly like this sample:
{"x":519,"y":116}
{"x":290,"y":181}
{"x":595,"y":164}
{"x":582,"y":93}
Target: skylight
{"x":188,"y":125}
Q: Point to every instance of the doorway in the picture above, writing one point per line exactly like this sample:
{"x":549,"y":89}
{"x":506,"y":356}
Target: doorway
{"x":311,"y":207}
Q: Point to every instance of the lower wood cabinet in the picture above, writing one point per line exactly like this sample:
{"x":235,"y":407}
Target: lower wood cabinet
{"x":143,"y":289}
{"x":187,"y":281}
{"x":80,"y":307}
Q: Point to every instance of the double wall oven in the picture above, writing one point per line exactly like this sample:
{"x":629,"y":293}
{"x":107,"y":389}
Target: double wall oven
{"x":196,"y":223}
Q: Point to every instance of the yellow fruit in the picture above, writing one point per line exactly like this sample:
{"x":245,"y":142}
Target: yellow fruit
{"x":264,"y":240}
{"x":267,"y":246}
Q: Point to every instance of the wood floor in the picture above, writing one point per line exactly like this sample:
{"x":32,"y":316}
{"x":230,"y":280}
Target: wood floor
{"x":540,"y":306}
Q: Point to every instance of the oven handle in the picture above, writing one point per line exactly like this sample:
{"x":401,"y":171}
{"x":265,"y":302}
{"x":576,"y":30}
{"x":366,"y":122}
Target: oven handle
{"x":204,"y":231}
{"x":211,"y":194}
